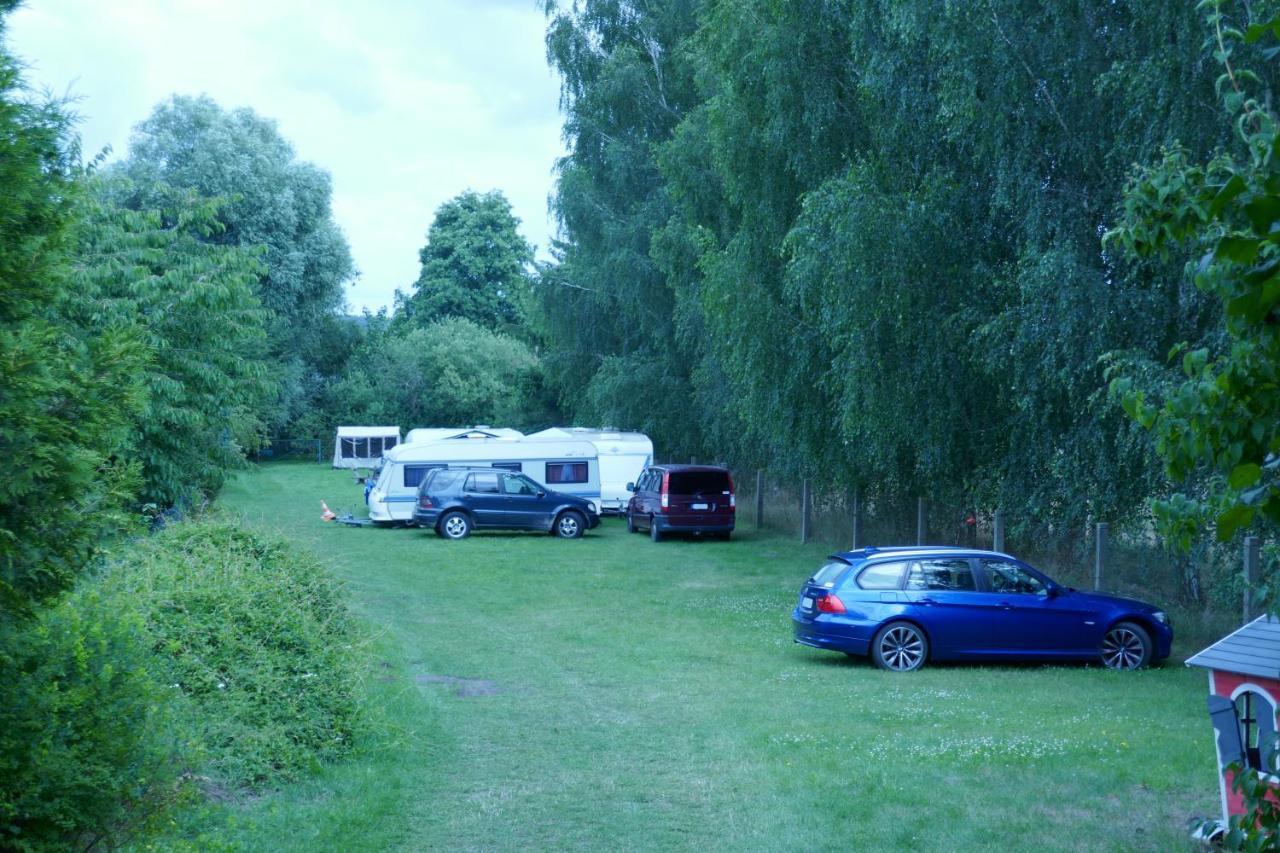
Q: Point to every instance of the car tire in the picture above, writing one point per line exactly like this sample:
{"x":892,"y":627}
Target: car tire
{"x":454,"y":525}
{"x":570,"y":524}
{"x":631,"y":523}
{"x":1126,"y":646}
{"x":900,"y":647}
{"x":654,"y":533}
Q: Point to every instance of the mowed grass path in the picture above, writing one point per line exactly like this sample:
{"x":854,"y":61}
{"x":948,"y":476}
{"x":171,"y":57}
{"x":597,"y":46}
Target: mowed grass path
{"x":611,"y":693}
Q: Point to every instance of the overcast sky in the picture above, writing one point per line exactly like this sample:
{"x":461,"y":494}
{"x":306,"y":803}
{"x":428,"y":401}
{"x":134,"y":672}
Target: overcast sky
{"x":406,"y":103}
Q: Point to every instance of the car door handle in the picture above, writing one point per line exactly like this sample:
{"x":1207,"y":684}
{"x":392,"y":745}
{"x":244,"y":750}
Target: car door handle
{"x":926,"y":600}
{"x":1004,"y":605}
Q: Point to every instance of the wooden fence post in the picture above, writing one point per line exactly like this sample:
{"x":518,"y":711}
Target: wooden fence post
{"x":805,"y":530}
{"x":857,"y":520}
{"x":1100,"y":553}
{"x":919,"y":521}
{"x":1252,"y":548}
{"x":997,"y":536}
{"x":759,"y":498}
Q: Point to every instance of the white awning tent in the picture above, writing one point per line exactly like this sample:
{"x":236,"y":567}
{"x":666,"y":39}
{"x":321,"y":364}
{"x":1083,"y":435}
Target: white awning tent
{"x":363,"y":446}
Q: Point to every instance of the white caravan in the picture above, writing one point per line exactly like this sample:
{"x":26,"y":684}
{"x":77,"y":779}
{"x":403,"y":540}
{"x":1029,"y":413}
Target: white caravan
{"x":623,"y":455}
{"x":563,"y":466}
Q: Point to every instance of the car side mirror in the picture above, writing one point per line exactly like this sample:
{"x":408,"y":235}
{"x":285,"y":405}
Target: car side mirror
{"x":631,"y":487}
{"x":541,"y":493}
{"x":1053,"y":590}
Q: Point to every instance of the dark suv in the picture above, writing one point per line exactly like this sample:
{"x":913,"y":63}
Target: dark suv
{"x":682,"y":499}
{"x":454,"y":501}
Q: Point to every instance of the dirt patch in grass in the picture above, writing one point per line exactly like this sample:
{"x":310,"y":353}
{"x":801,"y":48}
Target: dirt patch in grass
{"x":467,"y":687}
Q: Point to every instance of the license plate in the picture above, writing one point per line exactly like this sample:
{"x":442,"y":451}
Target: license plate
{"x":806,"y":603}
{"x":698,"y":506}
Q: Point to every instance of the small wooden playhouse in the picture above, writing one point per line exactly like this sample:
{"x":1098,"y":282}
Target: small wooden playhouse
{"x":1244,"y":697}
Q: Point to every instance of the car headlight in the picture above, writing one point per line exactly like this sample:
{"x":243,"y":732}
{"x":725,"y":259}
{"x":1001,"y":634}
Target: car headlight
{"x":1161,"y":617}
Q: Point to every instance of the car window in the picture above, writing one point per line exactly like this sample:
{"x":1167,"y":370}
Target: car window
{"x":696,"y":482}
{"x":1010,"y":578}
{"x":442,"y":479}
{"x":956,"y":575}
{"x":513,"y":485}
{"x":485,"y":483}
{"x":882,"y":576}
{"x":826,"y":576}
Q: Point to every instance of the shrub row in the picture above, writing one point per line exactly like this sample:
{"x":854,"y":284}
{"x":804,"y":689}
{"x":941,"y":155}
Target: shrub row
{"x":206,"y":652}
{"x":256,"y":635}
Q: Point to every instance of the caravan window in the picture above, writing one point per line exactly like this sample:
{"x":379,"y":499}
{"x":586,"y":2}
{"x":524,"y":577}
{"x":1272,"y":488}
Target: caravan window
{"x":566,"y":472}
{"x":413,"y":474}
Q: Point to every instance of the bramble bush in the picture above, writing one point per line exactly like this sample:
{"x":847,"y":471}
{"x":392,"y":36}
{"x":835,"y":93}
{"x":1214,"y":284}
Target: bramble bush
{"x":256,"y":637}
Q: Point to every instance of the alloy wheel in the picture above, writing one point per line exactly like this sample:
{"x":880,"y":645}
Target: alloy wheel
{"x":1122,"y":648}
{"x":455,"y":527}
{"x":902,"y":648}
{"x":568,"y":526}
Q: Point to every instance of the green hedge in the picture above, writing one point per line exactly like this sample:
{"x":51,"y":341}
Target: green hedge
{"x":84,"y":751}
{"x":257,"y":636}
{"x":205,"y":654}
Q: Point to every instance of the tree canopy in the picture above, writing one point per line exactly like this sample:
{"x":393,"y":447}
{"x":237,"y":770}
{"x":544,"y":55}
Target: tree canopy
{"x":67,"y":394}
{"x":863,"y":238}
{"x":474,"y":266}
{"x":271,"y":200}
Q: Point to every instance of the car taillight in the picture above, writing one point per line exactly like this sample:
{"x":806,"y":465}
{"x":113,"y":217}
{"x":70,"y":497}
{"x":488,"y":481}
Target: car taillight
{"x":424,"y":502}
{"x":830,"y":603}
{"x":666,"y":484}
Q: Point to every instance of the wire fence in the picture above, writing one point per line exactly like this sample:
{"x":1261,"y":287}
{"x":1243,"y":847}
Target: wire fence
{"x":291,"y":450}
{"x":1133,"y":560}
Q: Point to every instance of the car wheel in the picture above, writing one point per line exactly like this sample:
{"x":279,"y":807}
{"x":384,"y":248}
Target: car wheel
{"x":900,"y":646}
{"x":654,"y":533}
{"x":631,"y":522}
{"x":1126,"y":646}
{"x":570,"y":525}
{"x":455,"y":525}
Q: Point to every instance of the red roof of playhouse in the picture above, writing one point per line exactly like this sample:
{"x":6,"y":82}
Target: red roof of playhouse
{"x":1251,"y":650}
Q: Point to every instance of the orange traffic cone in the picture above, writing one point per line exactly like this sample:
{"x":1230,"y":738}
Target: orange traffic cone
{"x":326,"y":514}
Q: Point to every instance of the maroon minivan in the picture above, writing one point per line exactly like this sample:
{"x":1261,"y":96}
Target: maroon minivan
{"x":682,"y":499}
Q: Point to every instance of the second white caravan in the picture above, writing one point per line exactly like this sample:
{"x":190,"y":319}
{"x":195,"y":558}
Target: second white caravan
{"x":622,"y":455}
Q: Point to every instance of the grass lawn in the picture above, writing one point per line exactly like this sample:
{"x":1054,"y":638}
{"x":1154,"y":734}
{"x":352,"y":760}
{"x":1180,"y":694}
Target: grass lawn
{"x":613,"y":693}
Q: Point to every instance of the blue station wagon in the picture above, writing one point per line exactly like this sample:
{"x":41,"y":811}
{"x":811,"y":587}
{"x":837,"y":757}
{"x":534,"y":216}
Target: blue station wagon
{"x":906,"y":606}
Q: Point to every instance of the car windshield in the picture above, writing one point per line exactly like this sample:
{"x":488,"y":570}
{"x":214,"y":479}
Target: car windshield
{"x":694,"y":482}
